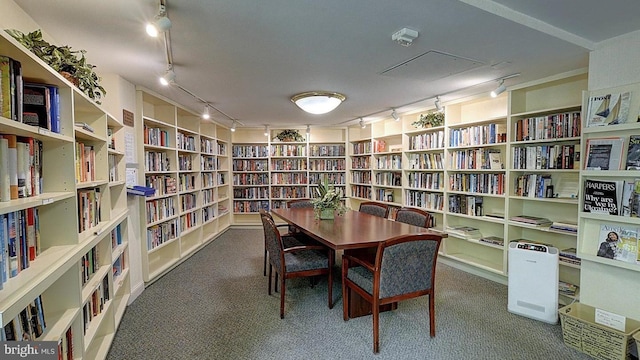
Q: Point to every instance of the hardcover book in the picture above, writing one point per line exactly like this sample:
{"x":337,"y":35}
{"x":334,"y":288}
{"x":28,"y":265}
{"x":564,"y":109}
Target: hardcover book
{"x":603,"y":196}
{"x":618,"y":242}
{"x":609,"y":109}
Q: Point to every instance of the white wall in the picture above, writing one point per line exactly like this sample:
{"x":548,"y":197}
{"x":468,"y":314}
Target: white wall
{"x":613,"y":63}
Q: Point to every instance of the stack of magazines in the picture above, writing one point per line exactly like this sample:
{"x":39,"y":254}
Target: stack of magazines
{"x":569,"y":256}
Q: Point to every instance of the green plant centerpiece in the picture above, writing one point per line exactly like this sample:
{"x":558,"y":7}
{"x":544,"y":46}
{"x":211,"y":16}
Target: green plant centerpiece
{"x":290,"y":135}
{"x":71,"y":64}
{"x":431,"y":119}
{"x":329,"y":201}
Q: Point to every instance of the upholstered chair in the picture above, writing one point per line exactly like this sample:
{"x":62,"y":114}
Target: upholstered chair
{"x":374,"y":208}
{"x":414,"y":216}
{"x":404,"y":268}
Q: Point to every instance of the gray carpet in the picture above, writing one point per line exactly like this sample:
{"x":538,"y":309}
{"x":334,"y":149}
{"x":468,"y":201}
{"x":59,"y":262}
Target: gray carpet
{"x":215,"y":306}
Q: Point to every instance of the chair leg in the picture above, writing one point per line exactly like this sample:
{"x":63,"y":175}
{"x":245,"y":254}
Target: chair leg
{"x":276,"y":282}
{"x":270,"y":271}
{"x":265,"y":263}
{"x":330,"y":283}
{"x":282,"y":297}
{"x":345,"y":297}
{"x":375,"y":308}
{"x":432,"y":315}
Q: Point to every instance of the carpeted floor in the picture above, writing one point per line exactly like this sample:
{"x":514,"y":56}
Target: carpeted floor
{"x":215,"y":306}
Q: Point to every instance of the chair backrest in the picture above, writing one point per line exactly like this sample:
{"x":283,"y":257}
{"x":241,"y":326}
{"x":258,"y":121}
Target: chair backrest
{"x":374,"y":208}
{"x":407,"y":264}
{"x":415,"y":217}
{"x":300,"y":203}
{"x":272,"y":241}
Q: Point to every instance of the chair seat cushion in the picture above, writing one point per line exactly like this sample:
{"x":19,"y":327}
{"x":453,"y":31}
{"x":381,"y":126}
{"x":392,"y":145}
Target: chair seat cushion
{"x":305,"y":260}
{"x":361,"y":277}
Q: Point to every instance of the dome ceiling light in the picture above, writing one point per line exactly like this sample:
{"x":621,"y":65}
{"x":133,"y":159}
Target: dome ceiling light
{"x":318,"y":102}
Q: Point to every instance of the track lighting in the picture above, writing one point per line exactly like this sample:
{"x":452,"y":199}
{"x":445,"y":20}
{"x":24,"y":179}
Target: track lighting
{"x":308,"y":130}
{"x":266,"y":130}
{"x":160,"y":23}
{"x":394,"y":115}
{"x":168,"y":77}
{"x":205,"y":114}
{"x":362,"y":124}
{"x":499,"y":90}
{"x":233,"y":126}
{"x":437,"y":104}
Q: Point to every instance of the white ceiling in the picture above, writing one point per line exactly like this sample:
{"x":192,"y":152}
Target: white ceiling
{"x":248,"y":57}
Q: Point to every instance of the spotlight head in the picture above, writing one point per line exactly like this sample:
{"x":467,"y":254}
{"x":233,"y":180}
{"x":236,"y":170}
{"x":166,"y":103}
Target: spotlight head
{"x":437,"y":104}
{"x":362,"y":124}
{"x":499,"y":90}
{"x":205,"y":114}
{"x":168,"y":77}
{"x":394,"y":115}
{"x":233,"y":127}
{"x":160,"y":23}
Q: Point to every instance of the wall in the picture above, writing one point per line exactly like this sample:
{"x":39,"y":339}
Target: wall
{"x":614,"y":62}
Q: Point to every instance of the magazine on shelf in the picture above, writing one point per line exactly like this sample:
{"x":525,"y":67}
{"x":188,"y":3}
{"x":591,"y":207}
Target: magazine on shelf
{"x":466,"y":232}
{"x":604,"y":153}
{"x":633,"y":153}
{"x":618,"y":242}
{"x":609,"y":109}
{"x":603,"y":196}
{"x":531,"y":220}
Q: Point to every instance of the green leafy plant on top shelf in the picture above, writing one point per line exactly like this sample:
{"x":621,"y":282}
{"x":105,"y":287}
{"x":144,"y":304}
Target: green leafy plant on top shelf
{"x":328,"y":198}
{"x":289,"y":135}
{"x":431,"y":119}
{"x":72,"y":64}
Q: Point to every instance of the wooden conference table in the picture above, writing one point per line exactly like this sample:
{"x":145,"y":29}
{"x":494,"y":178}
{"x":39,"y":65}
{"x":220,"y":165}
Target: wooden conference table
{"x":353,"y":231}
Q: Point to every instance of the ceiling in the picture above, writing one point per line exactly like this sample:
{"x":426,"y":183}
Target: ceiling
{"x":248,"y":57}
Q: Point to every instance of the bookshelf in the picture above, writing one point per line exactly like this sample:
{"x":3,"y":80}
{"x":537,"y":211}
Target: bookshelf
{"x":186,"y":160}
{"x":602,"y":277}
{"x":65,"y":232}
{"x":267,"y":172}
{"x":361,"y":165}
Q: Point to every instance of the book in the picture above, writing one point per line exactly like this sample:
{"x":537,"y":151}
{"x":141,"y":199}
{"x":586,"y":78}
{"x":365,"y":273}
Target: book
{"x":604,"y":153}
{"x":5,"y":190}
{"x":531,"y":220}
{"x":495,"y":160}
{"x":466,"y":232}
{"x":36,"y":105}
{"x":12,"y":165}
{"x":609,"y":109}
{"x":618,"y":242}
{"x":633,"y":153}
{"x":494,"y":240}
{"x":603,"y":196}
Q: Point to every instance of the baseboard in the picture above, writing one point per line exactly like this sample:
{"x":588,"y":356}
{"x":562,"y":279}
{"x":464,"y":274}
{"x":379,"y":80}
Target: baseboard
{"x":135,"y":292}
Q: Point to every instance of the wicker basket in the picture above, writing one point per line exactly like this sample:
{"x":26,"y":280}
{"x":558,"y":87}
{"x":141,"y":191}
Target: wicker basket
{"x":581,"y":332}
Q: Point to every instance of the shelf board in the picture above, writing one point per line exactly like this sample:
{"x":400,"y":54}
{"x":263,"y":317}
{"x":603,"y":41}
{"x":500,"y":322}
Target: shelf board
{"x":34,"y":201}
{"x":477,"y":262}
{"x":8,"y":126}
{"x":610,"y":262}
{"x":547,"y":111}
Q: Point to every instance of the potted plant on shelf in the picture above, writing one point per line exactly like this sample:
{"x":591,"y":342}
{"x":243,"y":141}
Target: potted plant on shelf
{"x":289,"y":136}
{"x":329,"y":201}
{"x":71,"y":64}
{"x":431,"y":119}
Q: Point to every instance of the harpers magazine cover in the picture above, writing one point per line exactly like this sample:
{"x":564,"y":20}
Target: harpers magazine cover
{"x":618,"y":242}
{"x":603,"y":196}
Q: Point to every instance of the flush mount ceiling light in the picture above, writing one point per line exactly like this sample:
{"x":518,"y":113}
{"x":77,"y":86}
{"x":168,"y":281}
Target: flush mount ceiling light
{"x":499,"y":90}
{"x":168,"y":77}
{"x":160,"y":23}
{"x":318,"y":102}
{"x":394,"y":115}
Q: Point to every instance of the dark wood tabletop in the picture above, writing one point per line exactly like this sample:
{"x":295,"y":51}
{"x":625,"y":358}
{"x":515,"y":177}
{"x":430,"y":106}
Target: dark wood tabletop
{"x":352,"y":230}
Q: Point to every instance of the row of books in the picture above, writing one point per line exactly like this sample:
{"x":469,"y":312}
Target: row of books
{"x":89,"y":264}
{"x":554,"y":126}
{"x":480,"y":183}
{"x":423,"y":199}
{"x":20,"y":167}
{"x":327,"y":165}
{"x":19,"y":241}
{"x":250,"y":165}
{"x":95,"y":305}
{"x":466,"y":204}
{"x":432,"y":140}
{"x":476,"y":159}
{"x":478,"y":135}
{"x":326,"y":150}
{"x":248,"y":151}
{"x":424,"y":180}
{"x":362,"y":148}
{"x":534,"y":186}
{"x":89,"y":212}
{"x":29,"y":325}
{"x":547,"y":157}
{"x":34,"y":104}
{"x":426,"y":161}
{"x":85,"y":162}
{"x":288,"y":150}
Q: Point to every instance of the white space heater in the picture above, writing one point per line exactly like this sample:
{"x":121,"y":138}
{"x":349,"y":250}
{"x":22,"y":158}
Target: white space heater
{"x":533,"y":281}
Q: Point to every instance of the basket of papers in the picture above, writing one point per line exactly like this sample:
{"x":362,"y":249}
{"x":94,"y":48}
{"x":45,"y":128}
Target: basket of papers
{"x":581,"y":332}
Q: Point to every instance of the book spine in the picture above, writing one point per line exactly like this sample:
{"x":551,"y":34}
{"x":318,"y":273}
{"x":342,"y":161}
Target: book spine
{"x":12,"y":165}
{"x":5,"y":189}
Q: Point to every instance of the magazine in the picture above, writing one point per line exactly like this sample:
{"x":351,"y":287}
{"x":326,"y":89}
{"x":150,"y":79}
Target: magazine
{"x":604,"y":153}
{"x":633,"y":153}
{"x":618,"y":242}
{"x":609,"y":109}
{"x":603,"y":196}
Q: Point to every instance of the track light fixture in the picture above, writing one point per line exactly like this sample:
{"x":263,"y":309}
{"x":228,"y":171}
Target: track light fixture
{"x":394,"y":115}
{"x":266,"y":130}
{"x":205,"y":114}
{"x":499,"y":90}
{"x":308,"y":130}
{"x":233,"y":126}
{"x":438,"y":105}
{"x":362,"y":124}
{"x":168,"y":77}
{"x":160,"y":23}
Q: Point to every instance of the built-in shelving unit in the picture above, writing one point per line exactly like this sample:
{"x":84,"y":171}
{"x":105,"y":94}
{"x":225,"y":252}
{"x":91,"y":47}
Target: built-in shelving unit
{"x":81,"y":209}
{"x":186,"y":160}
{"x":268,"y":172}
